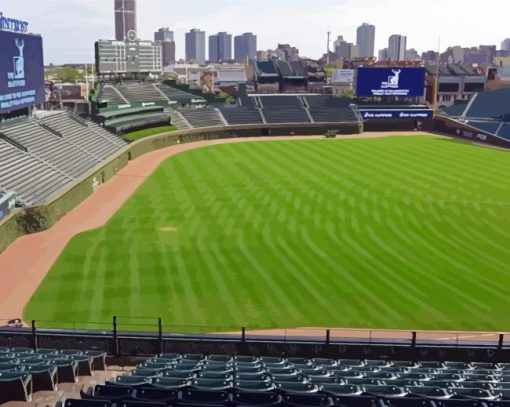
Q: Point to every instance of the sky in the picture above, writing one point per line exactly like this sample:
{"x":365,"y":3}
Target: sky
{"x":70,"y":27}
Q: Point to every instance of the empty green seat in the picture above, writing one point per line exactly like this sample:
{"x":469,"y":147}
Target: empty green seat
{"x":250,"y":385}
{"x":67,"y":370}
{"x":402,"y":382}
{"x":15,"y":386}
{"x":350,"y":362}
{"x":273,"y":360}
{"x":127,"y":380}
{"x":325,"y":362}
{"x":287,"y":378}
{"x":391,"y":391}
{"x":169,"y":382}
{"x":220,"y":358}
{"x":207,"y":384}
{"x":447,"y":376}
{"x":43,"y":377}
{"x":251,"y":376}
{"x":471,"y":392}
{"x":249,"y":369}
{"x":428,"y":391}
{"x":281,"y":370}
{"x":205,"y":374}
{"x":316,"y":372}
{"x":297,"y":387}
{"x":379,"y":363}
{"x":177,"y":374}
{"x":380,"y":375}
{"x":363,"y":381}
{"x":9,"y":367}
{"x":299,"y":361}
{"x":246,"y":359}
{"x":156,"y":365}
{"x":457,"y":365}
{"x":146,"y":372}
{"x":430,"y":364}
{"x":341,"y":389}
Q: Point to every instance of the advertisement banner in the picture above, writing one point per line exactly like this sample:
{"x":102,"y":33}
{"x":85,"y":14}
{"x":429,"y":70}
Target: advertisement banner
{"x":7,"y":204}
{"x":397,"y":114}
{"x":21,"y":71}
{"x":343,"y":76}
{"x":405,"y":82}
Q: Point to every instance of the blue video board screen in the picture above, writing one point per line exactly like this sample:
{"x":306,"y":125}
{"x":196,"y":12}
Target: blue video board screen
{"x":404,"y":82}
{"x":21,"y":71}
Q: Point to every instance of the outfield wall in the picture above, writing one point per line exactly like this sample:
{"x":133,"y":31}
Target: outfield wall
{"x":38,"y":218}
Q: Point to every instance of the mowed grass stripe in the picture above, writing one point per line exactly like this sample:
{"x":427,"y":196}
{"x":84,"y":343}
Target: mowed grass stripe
{"x":382,"y":233}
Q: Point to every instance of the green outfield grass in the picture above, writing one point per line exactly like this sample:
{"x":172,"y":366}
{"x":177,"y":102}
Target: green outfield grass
{"x":399,"y":232}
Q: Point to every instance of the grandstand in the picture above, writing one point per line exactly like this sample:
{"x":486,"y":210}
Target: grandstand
{"x":57,"y":146}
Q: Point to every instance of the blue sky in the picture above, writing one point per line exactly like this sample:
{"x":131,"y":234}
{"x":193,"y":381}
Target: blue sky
{"x":70,"y":27}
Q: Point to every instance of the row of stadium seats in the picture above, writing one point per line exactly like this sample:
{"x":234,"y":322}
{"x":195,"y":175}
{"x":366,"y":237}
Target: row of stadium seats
{"x":24,"y":371}
{"x":333,"y":378}
{"x":141,"y":92}
{"x":58,"y":147}
{"x":206,"y":117}
{"x":106,"y":396}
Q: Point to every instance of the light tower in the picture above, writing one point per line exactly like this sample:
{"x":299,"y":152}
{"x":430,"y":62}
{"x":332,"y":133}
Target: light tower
{"x":327,"y":48}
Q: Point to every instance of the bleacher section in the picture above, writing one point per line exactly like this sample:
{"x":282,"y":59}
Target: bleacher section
{"x":486,"y":111}
{"x":175,"y":94}
{"x":283,"y":109}
{"x":51,"y":148}
{"x":221,"y":380}
{"x":134,"y":93}
{"x":32,"y":179}
{"x":205,"y":117}
{"x":84,"y":134}
{"x":504,"y":131}
{"x":25,"y":372}
{"x":490,"y":127}
{"x":494,"y":105}
{"x":241,"y":115}
{"x":40,"y":156}
{"x":326,"y":109}
{"x":110,"y":95}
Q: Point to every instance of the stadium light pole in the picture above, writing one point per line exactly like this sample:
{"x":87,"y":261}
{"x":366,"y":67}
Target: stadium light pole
{"x":436,"y":81}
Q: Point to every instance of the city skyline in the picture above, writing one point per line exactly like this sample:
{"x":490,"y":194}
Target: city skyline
{"x":85,"y":21}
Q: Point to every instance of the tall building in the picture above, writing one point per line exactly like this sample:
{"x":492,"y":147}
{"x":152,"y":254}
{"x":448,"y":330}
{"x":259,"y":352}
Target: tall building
{"x":365,"y":40}
{"x":397,"y":47}
{"x":505,"y":45}
{"x":220,"y":47}
{"x":412,"y":55}
{"x":165,"y":37}
{"x":245,"y":46}
{"x":125,"y":20}
{"x":195,"y":46}
{"x":384,"y":54}
{"x":346,"y":50}
{"x":163,"y":34}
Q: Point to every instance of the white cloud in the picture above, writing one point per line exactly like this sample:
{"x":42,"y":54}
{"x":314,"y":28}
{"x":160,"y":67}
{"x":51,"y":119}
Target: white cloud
{"x":70,"y":27}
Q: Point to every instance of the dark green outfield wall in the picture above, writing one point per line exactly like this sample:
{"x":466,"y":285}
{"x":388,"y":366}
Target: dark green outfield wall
{"x":42,"y":217}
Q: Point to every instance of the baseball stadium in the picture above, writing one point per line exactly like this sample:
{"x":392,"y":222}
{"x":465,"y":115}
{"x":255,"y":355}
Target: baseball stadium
{"x":290,"y":248}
